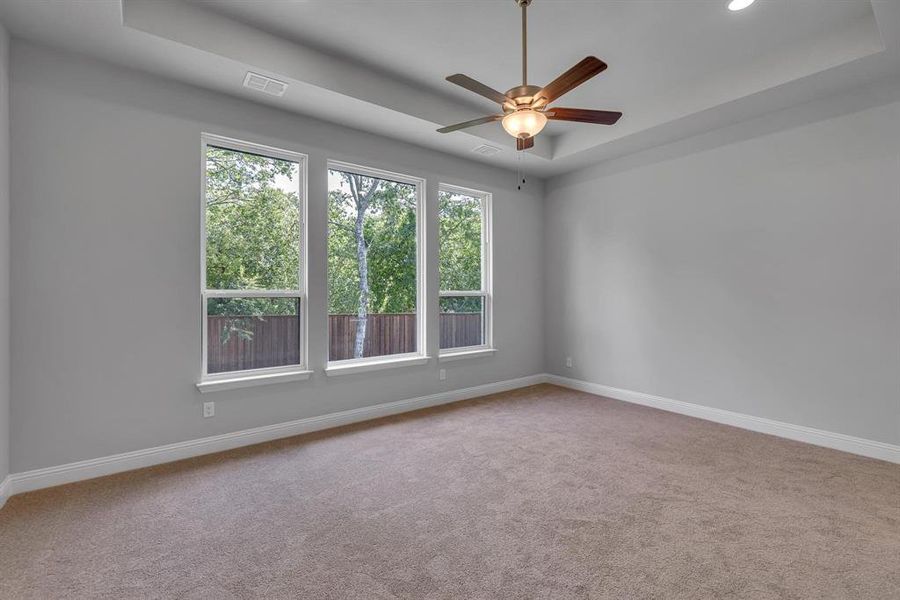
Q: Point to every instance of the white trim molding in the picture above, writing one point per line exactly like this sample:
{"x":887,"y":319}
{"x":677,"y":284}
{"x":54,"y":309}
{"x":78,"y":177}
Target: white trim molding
{"x":248,"y":380}
{"x":364,"y":365}
{"x":5,"y":492}
{"x":18,"y":483}
{"x":800,"y":433}
{"x":448,"y":356}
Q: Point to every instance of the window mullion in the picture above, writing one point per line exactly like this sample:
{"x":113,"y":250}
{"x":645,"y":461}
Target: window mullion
{"x":253,"y":293}
{"x":462,"y":293}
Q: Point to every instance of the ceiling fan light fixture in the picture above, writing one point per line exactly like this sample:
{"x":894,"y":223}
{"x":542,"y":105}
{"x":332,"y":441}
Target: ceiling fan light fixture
{"x":524,"y":123}
{"x":524,"y":105}
{"x":736,"y":5}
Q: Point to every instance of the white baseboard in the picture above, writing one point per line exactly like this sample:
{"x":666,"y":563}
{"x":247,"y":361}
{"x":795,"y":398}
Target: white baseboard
{"x":18,"y":483}
{"x":817,"y":437}
{"x":88,"y":469}
{"x":4,"y":490}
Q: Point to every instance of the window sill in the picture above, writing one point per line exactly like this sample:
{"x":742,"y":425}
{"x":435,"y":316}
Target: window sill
{"x":243,"y":381}
{"x":375,"y":365}
{"x":464,"y":354}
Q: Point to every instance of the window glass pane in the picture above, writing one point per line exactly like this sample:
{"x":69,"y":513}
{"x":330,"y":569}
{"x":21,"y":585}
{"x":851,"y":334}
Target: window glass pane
{"x":252,"y":333}
{"x":460,"y":240}
{"x":371,"y":266}
{"x":252,"y":221}
{"x":462,"y":322}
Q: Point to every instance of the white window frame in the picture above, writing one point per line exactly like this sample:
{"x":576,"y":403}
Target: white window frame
{"x":486,"y":291}
{"x":420,"y":356}
{"x":295,"y":372}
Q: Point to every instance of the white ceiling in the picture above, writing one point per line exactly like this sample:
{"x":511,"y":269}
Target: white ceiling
{"x":677,"y":67}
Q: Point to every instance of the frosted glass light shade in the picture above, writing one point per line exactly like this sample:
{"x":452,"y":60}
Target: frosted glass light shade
{"x":524,"y":123}
{"x":736,"y":5}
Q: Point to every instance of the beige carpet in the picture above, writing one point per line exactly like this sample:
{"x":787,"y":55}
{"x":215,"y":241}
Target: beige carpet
{"x":538,"y":493}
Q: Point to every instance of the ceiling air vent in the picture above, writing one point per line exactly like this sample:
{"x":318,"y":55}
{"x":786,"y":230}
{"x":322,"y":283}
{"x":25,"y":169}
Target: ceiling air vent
{"x":486,"y":150}
{"x":264,"y":84}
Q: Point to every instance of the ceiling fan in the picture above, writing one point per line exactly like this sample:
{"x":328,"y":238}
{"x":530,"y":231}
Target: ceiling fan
{"x":525,"y":107}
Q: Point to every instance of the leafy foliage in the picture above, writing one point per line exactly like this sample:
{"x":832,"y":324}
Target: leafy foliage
{"x":252,"y":230}
{"x":389,"y":234}
{"x":460,"y":239}
{"x":460,"y":257}
{"x":253,"y":239}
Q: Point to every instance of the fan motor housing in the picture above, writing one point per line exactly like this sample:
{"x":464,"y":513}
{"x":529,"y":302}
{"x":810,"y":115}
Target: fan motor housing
{"x":523,"y":95}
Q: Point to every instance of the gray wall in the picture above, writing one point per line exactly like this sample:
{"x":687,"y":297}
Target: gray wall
{"x":105,"y":262}
{"x":757,"y":275}
{"x":4,"y":254}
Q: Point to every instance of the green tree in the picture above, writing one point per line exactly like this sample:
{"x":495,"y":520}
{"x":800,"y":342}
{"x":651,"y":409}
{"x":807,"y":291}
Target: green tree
{"x":372,"y":230}
{"x":252,"y":235}
{"x":460,"y":250}
{"x":252,"y":224}
{"x":253,"y":241}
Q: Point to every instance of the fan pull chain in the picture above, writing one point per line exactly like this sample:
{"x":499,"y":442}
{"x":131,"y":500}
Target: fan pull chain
{"x":520,"y":177}
{"x":518,"y":170}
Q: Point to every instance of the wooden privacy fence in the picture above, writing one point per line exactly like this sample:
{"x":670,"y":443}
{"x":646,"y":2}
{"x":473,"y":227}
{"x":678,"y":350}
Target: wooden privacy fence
{"x":239,"y":343}
{"x":385,"y":334}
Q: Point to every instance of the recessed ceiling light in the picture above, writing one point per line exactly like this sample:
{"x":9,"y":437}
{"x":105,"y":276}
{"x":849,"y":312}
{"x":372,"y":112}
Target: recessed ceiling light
{"x":739,"y":4}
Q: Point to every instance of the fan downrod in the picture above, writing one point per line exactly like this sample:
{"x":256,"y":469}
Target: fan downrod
{"x":524,"y":4}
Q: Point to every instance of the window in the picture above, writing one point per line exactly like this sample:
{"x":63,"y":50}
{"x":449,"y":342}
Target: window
{"x":375,"y":272}
{"x":253,"y":278}
{"x":465,"y":269}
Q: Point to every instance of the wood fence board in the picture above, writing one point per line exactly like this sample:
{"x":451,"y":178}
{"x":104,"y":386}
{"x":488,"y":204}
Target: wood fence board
{"x":274,"y":340}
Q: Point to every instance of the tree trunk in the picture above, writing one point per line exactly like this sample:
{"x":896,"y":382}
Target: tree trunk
{"x":362,"y":201}
{"x":362,"y":260}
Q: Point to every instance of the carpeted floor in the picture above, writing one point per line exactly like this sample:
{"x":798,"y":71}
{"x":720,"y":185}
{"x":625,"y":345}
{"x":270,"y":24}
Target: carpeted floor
{"x":538,"y":493}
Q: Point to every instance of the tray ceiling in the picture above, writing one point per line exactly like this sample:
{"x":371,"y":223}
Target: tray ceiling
{"x":676,"y":68}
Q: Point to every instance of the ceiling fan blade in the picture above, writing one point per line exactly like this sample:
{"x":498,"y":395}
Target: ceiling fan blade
{"x":472,"y":123}
{"x":571,"y":79}
{"x":478,"y":87}
{"x":524,"y":144}
{"x":583,"y":115}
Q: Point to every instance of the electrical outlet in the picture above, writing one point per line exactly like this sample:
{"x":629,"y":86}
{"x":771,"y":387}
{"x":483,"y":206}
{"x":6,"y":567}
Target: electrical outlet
{"x":569,"y":362}
{"x":209,"y":409}
{"x":442,"y":375}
